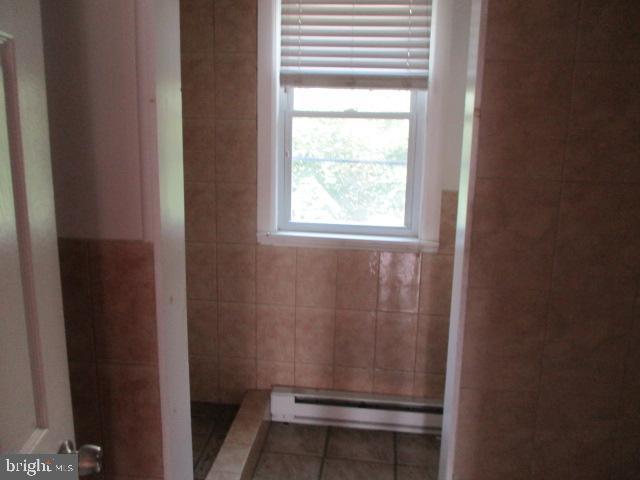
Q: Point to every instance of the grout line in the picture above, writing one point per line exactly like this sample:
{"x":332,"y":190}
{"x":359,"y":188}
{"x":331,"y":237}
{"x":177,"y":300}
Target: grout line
{"x":549,"y":291}
{"x":375,"y":325}
{"x":255,"y":311}
{"x":395,"y":455}
{"x":335,"y":322}
{"x":324,"y":452}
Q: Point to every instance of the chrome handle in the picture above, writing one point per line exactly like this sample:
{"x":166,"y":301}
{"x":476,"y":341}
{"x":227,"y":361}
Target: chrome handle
{"x":89,"y":457}
{"x":89,"y":460}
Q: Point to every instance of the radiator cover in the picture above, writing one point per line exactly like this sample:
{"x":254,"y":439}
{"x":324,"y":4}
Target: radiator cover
{"x":369,"y":411}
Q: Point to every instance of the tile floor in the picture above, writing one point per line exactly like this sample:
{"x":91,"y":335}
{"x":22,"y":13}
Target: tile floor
{"x":304,"y":452}
{"x":209,"y":425}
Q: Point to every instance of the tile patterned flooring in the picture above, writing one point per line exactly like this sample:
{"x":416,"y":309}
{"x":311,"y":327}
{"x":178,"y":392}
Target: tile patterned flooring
{"x":209,"y":426}
{"x":305,"y":452}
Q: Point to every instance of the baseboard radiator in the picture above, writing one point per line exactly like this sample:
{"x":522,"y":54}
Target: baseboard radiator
{"x":376,"y":412}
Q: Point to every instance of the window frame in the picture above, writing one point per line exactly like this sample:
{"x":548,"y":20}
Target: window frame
{"x":423,"y":233}
{"x":415,"y":161}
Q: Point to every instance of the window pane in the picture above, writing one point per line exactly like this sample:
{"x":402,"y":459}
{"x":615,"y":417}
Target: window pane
{"x":349,"y":171}
{"x":356,"y":100}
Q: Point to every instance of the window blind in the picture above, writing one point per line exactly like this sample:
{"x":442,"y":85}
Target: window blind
{"x":357,"y":43}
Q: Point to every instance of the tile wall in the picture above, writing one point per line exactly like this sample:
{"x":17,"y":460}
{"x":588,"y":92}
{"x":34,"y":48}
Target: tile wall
{"x":551,"y":373}
{"x":109,"y":308}
{"x":350,"y":320}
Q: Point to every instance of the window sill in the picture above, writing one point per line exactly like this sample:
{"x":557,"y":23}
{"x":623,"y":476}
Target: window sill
{"x":345,"y":241}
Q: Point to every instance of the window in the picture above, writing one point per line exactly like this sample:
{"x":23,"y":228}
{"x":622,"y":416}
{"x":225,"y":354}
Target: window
{"x":342,"y":123}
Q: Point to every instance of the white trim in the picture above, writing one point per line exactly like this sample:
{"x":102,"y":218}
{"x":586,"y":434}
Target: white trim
{"x":424,"y":206}
{"x":346,"y":241}
{"x":474,"y":13}
{"x":159,"y":102}
{"x":268,"y":111}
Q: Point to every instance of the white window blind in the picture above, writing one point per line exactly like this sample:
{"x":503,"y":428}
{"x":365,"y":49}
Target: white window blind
{"x":355,"y":43}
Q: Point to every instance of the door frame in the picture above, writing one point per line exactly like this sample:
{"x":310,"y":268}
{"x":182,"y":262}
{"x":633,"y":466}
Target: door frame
{"x":466,"y":188}
{"x":160,"y":109}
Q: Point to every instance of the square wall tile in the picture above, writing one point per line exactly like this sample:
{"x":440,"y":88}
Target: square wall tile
{"x":399,"y":282}
{"x":236,"y":23}
{"x":199,"y":165}
{"x":196,"y":38}
{"x":396,"y":341}
{"x":609,"y":32}
{"x":436,"y":280}
{"x":357,"y":280}
{"x":276,"y":333}
{"x":236,"y":151}
{"x":76,"y":298}
{"x":513,"y":145}
{"x":313,"y":376}
{"x":542,"y":30}
{"x":355,"y":338}
{"x":123,"y":295}
{"x":597,"y":248}
{"x":85,"y":400}
{"x":236,"y":273}
{"x":575,"y":409}
{"x":504,"y":339}
{"x":198,"y":133}
{"x":202,"y":320}
{"x":603,"y":140}
{"x":431,"y":348}
{"x":353,"y":379}
{"x":200,"y":211}
{"x":392,"y":382}
{"x":563,"y":454}
{"x":193,"y":12}
{"x":236,"y":86}
{"x":315,"y":332}
{"x":237,"y":375}
{"x":204,"y":379}
{"x":237,"y":330}
{"x":201,"y":271}
{"x":236,"y":212}
{"x":513,"y":233}
{"x":271,"y":374}
{"x":130,"y":399}
{"x":196,"y":26}
{"x":197,"y":84}
{"x":316,"y":277}
{"x":429,"y":385}
{"x":495,"y":434}
{"x":586,"y":343}
{"x":276,"y":275}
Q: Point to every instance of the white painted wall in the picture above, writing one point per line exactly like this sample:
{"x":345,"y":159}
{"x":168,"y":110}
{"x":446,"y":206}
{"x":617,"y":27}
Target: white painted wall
{"x":91,"y":69}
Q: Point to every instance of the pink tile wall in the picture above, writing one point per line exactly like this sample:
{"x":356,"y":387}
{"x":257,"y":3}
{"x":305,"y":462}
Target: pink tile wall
{"x":549,"y":371}
{"x":258,"y":316}
{"x":109,"y":306}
